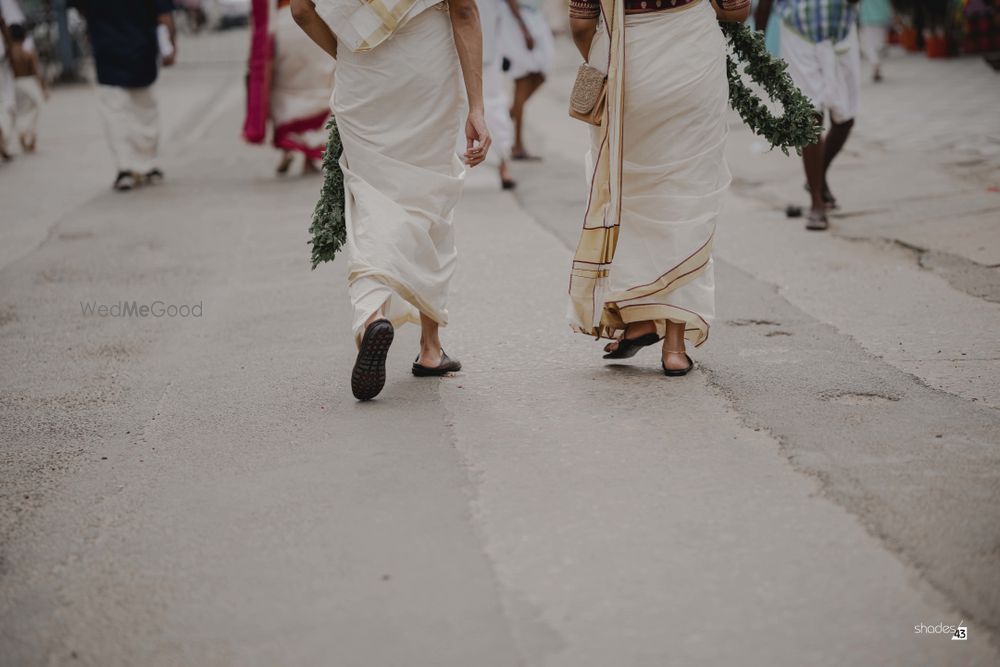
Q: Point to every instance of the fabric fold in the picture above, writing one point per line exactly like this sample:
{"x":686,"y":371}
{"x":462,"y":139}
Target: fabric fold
{"x":399,"y":108}
{"x":659,"y":175}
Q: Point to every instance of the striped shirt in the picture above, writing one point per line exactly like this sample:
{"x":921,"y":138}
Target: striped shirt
{"x":819,"y":20}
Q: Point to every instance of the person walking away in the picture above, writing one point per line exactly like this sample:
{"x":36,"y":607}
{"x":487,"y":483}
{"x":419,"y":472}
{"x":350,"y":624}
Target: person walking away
{"x":874,"y":17}
{"x":289,"y":84}
{"x":399,"y":104}
{"x":126,"y":46}
{"x":527,"y":48}
{"x":643,"y":269}
{"x":29,"y":88}
{"x":8,"y":92}
{"x":495,"y":97}
{"x":819,"y":41}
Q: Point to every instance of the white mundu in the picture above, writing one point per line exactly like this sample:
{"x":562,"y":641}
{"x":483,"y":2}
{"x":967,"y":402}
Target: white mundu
{"x":132,"y":124}
{"x":399,"y":108}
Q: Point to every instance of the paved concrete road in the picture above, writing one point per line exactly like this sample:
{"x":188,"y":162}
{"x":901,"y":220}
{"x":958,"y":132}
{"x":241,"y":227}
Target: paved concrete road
{"x":204,"y":491}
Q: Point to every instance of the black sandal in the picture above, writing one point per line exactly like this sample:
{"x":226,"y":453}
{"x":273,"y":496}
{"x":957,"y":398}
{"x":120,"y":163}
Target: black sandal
{"x":368,"y":376}
{"x":447,"y":365}
{"x":627,"y":347}
{"x":677,"y":372}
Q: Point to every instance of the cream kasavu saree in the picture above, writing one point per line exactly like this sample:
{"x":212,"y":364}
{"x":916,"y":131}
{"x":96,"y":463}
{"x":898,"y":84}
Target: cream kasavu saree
{"x":399,"y":107}
{"x":659,"y":175}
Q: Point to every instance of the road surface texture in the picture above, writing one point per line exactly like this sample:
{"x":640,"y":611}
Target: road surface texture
{"x":205,"y":491}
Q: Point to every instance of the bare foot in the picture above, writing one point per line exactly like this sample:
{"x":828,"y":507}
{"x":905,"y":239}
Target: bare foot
{"x":430,"y":343}
{"x":521,"y":154}
{"x":674,"y":355}
{"x":430,"y":356}
{"x":675,"y":361}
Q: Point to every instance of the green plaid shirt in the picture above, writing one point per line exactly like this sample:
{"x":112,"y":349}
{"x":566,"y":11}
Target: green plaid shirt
{"x":819,"y":20}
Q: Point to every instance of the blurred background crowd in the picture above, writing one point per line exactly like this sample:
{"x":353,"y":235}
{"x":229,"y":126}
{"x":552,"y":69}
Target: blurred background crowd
{"x":47,"y":42}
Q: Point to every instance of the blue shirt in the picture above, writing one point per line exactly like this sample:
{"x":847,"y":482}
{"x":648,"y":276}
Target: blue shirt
{"x":123,"y":38}
{"x":819,"y":20}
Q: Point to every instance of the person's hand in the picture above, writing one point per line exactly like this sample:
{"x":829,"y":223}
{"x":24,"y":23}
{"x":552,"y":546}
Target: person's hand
{"x":171,"y":59}
{"x":529,"y":40}
{"x":477,"y":137}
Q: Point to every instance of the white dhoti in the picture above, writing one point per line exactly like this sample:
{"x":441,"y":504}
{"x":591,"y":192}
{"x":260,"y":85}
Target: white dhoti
{"x":873,"y":39}
{"x":30,"y":99}
{"x":495,"y":99}
{"x":656,"y":262}
{"x":497,"y":107}
{"x":399,"y":108}
{"x":132,"y":124}
{"x":522,"y":60}
{"x":828,"y":73}
{"x":8,"y":108}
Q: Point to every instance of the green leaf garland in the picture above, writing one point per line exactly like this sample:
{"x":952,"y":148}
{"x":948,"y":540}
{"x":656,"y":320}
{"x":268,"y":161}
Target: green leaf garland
{"x":329,"y":228}
{"x":798,"y":126}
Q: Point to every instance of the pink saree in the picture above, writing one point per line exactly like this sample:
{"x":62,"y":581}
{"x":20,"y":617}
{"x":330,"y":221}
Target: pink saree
{"x":289,"y":82}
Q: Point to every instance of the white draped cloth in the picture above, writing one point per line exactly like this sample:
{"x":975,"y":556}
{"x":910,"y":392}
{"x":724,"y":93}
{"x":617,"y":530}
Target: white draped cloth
{"x":300,"y":89}
{"x":132,"y":124}
{"x":646,"y":248}
{"x":495,"y":98}
{"x":523,"y":61}
{"x":399,"y":108}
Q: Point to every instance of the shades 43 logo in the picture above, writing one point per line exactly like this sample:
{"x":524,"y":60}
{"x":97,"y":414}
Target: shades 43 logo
{"x":957,"y":632}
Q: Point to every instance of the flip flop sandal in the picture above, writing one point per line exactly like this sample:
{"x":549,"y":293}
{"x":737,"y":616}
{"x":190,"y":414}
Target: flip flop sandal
{"x":817,"y":222}
{"x":677,"y":372}
{"x":627,"y":347}
{"x":368,"y":376}
{"x":447,"y":365}
{"x":125,"y":181}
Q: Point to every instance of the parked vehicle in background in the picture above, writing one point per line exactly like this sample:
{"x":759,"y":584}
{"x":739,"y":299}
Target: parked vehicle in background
{"x":225,"y":13}
{"x":190,"y":15}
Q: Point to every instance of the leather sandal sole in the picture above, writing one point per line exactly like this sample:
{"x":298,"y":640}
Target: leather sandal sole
{"x":368,"y":376}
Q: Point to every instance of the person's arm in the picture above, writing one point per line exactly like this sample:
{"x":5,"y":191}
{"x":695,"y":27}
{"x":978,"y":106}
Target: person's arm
{"x":304,"y":13}
{"x":762,"y":14}
{"x":583,"y":34}
{"x":166,"y":18}
{"x":469,"y":44}
{"x":515,"y":9}
{"x":583,"y":16}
